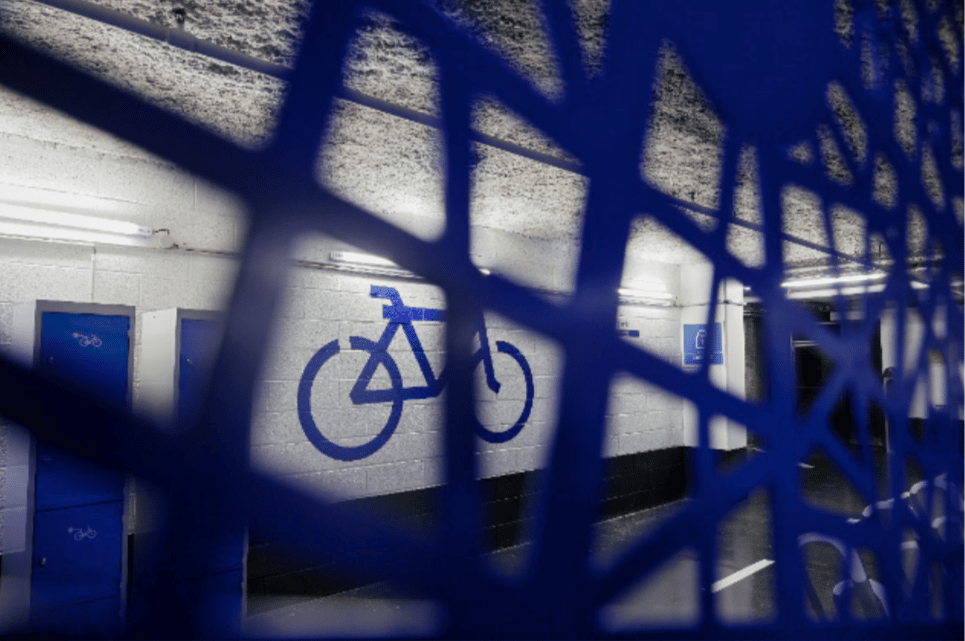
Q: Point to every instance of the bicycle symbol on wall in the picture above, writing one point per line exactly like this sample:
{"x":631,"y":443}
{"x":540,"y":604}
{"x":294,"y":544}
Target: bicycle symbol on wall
{"x":401,"y":316}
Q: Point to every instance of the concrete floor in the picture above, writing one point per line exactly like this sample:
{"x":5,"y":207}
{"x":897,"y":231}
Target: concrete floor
{"x":744,"y":591}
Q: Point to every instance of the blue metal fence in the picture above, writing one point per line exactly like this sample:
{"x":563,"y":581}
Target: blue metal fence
{"x":765,"y":67}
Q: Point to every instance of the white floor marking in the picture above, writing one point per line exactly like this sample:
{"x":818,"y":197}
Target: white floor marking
{"x":740,"y":575}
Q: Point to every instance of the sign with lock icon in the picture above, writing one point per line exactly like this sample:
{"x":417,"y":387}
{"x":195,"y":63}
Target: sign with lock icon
{"x":701,"y":343}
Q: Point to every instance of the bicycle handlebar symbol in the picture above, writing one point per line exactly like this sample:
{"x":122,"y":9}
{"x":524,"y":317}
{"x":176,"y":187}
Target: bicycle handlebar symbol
{"x":399,"y":315}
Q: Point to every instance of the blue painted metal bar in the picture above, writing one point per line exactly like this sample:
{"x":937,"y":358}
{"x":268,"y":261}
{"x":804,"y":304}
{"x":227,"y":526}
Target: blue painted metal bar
{"x":462,"y":503}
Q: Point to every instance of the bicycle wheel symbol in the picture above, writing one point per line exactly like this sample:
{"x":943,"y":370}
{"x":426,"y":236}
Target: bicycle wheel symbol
{"x":501,"y":437}
{"x":305,"y":414}
{"x":395,"y":395}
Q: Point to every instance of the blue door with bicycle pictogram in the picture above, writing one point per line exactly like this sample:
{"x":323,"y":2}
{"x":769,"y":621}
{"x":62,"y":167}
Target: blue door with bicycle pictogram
{"x":365,"y":392}
{"x":78,"y":525}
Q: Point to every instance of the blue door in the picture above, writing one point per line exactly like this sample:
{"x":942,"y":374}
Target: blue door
{"x":199,"y":340}
{"x":78,"y":536}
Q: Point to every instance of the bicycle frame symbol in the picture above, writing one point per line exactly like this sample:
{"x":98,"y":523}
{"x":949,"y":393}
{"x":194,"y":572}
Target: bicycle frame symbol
{"x":401,"y":316}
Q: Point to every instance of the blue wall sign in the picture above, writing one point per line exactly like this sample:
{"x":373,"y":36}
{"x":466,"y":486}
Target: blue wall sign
{"x":623,"y":329}
{"x":697,"y":345}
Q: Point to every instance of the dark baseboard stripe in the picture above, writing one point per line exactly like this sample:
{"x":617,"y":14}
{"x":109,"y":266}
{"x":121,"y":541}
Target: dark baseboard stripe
{"x":633,"y":482}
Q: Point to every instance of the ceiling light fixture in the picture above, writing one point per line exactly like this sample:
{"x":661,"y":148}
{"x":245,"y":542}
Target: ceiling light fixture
{"x":657,"y":295}
{"x":368,"y":264}
{"x":832,"y":280}
{"x":646,"y":286}
{"x":356,"y":258}
{"x":644,"y":293}
{"x":78,"y":222}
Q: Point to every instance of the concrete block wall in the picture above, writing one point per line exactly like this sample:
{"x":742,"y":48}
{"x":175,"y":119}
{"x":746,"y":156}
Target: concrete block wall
{"x":331,"y":306}
{"x":728,"y":374}
{"x":14,"y":452}
{"x":82,"y":171}
{"x":641,"y":416}
{"x":15,"y":524}
{"x":325,"y":305}
{"x":100,"y":176}
{"x":148,"y":279}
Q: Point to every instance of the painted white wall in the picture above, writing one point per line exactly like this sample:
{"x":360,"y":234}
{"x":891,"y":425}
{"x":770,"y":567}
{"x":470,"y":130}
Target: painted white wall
{"x":696,"y":280}
{"x":94,"y":175}
{"x":642,"y":416}
{"x":14,"y":510}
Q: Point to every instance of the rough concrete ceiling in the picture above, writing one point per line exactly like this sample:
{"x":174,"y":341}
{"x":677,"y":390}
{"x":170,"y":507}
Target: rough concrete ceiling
{"x":393,"y":166}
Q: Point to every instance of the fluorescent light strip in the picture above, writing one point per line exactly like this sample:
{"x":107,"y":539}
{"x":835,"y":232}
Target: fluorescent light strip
{"x":845,"y":291}
{"x":644,"y":293}
{"x":831,"y":292}
{"x":75,"y":221}
{"x":833,"y":280}
{"x":356,"y":258}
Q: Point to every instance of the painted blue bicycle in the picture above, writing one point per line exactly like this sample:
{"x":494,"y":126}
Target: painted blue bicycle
{"x":399,"y":315}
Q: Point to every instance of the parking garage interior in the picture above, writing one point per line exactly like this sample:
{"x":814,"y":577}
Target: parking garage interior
{"x":743,"y":367}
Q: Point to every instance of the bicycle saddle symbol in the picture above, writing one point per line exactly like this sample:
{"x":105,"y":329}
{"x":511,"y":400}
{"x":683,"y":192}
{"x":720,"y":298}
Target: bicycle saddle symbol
{"x":399,"y":315}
